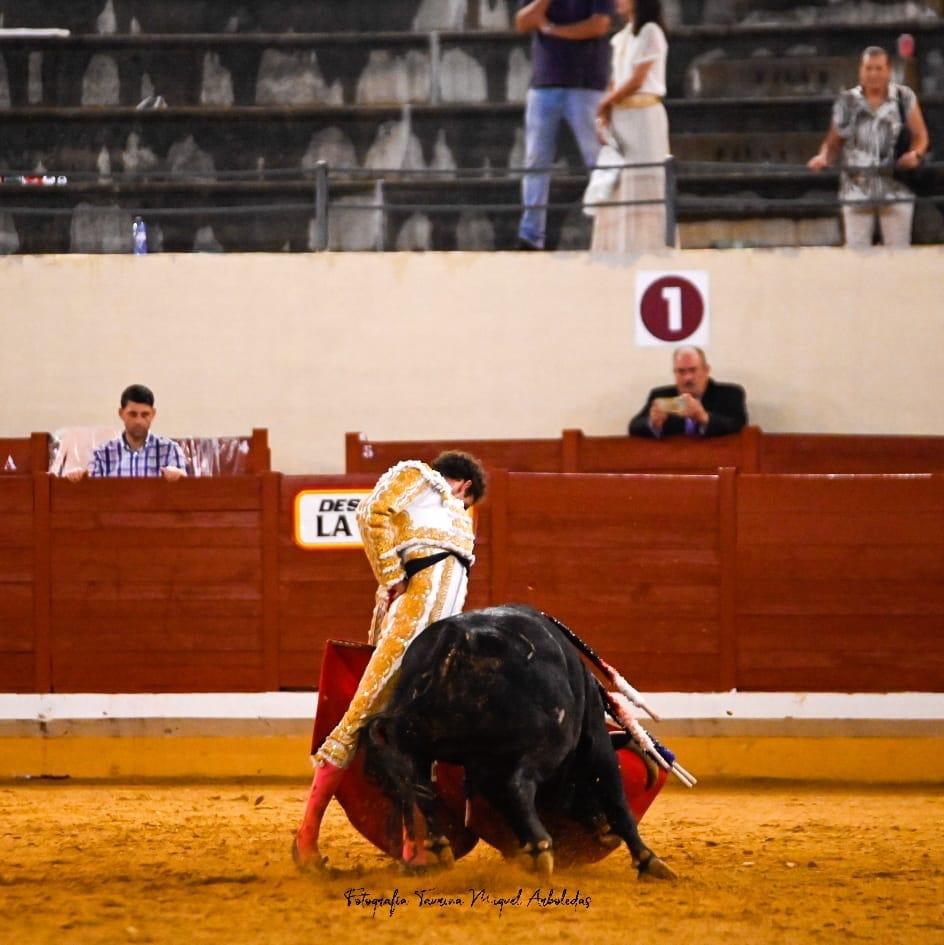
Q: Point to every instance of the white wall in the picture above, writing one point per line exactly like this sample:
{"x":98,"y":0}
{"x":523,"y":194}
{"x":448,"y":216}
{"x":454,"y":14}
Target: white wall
{"x":470,"y":345}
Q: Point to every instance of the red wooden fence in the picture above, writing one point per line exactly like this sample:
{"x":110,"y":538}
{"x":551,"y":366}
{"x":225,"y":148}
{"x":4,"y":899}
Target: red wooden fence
{"x":840,"y":582}
{"x":156,"y":586}
{"x":748,"y":451}
{"x":688,"y":582}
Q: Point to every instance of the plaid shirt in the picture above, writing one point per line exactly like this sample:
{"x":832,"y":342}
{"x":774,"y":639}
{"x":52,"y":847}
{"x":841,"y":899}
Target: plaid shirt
{"x":116,"y":458}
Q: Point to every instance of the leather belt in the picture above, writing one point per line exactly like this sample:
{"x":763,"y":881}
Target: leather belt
{"x":639,"y":100}
{"x":420,"y":564}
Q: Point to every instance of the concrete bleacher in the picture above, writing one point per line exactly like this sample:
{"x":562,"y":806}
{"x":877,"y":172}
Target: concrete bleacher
{"x":413,"y":85}
{"x":261,"y":16}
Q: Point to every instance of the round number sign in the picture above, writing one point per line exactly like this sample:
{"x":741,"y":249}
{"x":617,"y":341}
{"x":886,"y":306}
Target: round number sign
{"x":672,"y":308}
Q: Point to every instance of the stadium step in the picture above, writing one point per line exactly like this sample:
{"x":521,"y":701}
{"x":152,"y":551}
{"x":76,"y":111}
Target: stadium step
{"x":212,"y":16}
{"x":264,"y":69}
{"x":383,"y":67}
{"x":275,"y":16}
{"x":787,"y":147}
{"x":825,"y":12}
{"x":776,"y":76}
{"x":205,"y":140}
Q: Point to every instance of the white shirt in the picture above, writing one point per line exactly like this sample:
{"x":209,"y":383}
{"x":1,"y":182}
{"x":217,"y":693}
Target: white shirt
{"x":630,"y":51}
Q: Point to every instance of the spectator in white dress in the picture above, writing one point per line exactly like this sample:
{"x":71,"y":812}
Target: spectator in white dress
{"x":633,"y":111}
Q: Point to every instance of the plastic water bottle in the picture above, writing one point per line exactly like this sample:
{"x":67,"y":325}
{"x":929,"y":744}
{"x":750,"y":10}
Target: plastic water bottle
{"x":139,"y":237}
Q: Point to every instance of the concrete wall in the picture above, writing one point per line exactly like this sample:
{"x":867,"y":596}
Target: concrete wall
{"x":440,"y":345}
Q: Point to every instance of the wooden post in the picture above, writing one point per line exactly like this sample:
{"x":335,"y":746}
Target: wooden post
{"x":570,"y":447}
{"x":751,"y":444}
{"x":352,"y":452}
{"x":271,"y":490}
{"x":42,"y":581}
{"x":498,"y":501}
{"x":260,"y":456}
{"x":727,"y":557}
{"x":39,"y":452}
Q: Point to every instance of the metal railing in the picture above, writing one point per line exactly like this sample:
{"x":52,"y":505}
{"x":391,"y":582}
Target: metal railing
{"x":317,"y":181}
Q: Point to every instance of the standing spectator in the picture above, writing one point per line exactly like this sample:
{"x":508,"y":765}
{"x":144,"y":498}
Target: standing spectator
{"x":570,"y":60}
{"x":137,"y":452}
{"x":633,"y":110}
{"x":866,"y":124}
{"x":696,"y":405}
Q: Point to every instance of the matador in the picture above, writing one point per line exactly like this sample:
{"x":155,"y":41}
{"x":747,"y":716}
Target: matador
{"x":417,"y":531}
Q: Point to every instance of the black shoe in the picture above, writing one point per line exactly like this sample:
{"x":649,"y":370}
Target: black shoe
{"x":523,"y":244}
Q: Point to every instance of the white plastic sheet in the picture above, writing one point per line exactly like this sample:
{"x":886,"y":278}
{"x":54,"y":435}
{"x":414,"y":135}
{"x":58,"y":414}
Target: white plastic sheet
{"x":71,"y":448}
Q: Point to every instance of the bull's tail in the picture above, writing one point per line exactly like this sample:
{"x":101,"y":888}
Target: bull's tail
{"x":613,"y":676}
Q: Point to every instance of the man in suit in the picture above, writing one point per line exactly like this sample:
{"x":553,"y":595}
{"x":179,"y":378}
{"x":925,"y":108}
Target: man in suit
{"x":695,"y":405}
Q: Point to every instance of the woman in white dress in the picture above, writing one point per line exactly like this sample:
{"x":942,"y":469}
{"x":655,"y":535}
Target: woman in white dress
{"x":633,"y":111}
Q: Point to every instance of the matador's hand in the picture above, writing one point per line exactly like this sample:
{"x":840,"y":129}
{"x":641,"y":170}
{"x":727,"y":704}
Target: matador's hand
{"x":395,"y":591}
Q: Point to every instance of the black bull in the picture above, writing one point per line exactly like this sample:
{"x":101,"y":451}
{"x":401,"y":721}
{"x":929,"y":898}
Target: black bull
{"x":503,"y":693}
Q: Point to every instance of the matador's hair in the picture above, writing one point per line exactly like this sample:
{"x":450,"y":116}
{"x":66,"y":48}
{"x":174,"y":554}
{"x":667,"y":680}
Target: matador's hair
{"x":454,"y":464}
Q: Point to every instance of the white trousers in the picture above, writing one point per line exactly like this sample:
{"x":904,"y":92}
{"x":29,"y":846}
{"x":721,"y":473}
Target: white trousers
{"x":894,"y":220}
{"x":643,"y":137}
{"x":431,"y":594}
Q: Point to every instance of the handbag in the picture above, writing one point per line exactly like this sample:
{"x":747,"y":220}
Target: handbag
{"x":605,"y":175}
{"x":921,"y":179}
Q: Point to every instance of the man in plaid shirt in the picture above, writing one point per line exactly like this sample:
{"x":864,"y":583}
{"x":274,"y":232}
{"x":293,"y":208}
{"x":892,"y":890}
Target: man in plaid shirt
{"x":137,"y":452}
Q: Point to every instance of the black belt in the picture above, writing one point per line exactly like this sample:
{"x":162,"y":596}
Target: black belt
{"x":421,"y":564}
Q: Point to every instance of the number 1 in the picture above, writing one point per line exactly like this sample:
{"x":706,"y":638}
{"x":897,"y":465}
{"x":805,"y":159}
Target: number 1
{"x":672,"y":296}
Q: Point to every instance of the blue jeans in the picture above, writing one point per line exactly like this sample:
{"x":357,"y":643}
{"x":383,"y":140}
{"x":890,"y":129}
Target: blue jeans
{"x":546,"y":107}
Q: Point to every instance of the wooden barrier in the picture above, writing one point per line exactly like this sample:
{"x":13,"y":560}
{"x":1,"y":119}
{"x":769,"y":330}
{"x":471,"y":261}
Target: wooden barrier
{"x":840,"y":582}
{"x":687,"y":582}
{"x":362,"y":455}
{"x":678,"y":454}
{"x":748,"y":451}
{"x":632,"y":563}
{"x":818,"y":453}
{"x":156,"y":586}
{"x":572,"y":452}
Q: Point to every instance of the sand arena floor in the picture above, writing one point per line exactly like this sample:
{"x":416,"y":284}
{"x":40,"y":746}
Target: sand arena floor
{"x":97,"y":863}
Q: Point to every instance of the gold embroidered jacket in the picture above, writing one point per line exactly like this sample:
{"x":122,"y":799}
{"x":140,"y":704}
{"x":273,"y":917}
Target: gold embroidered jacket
{"x":410,"y":514}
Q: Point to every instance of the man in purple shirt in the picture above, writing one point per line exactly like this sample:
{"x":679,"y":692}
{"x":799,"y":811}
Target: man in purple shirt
{"x":571,"y":61}
{"x":696,"y":405}
{"x":137,"y":452}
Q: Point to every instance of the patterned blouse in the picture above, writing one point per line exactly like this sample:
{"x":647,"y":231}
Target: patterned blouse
{"x":869,"y":141}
